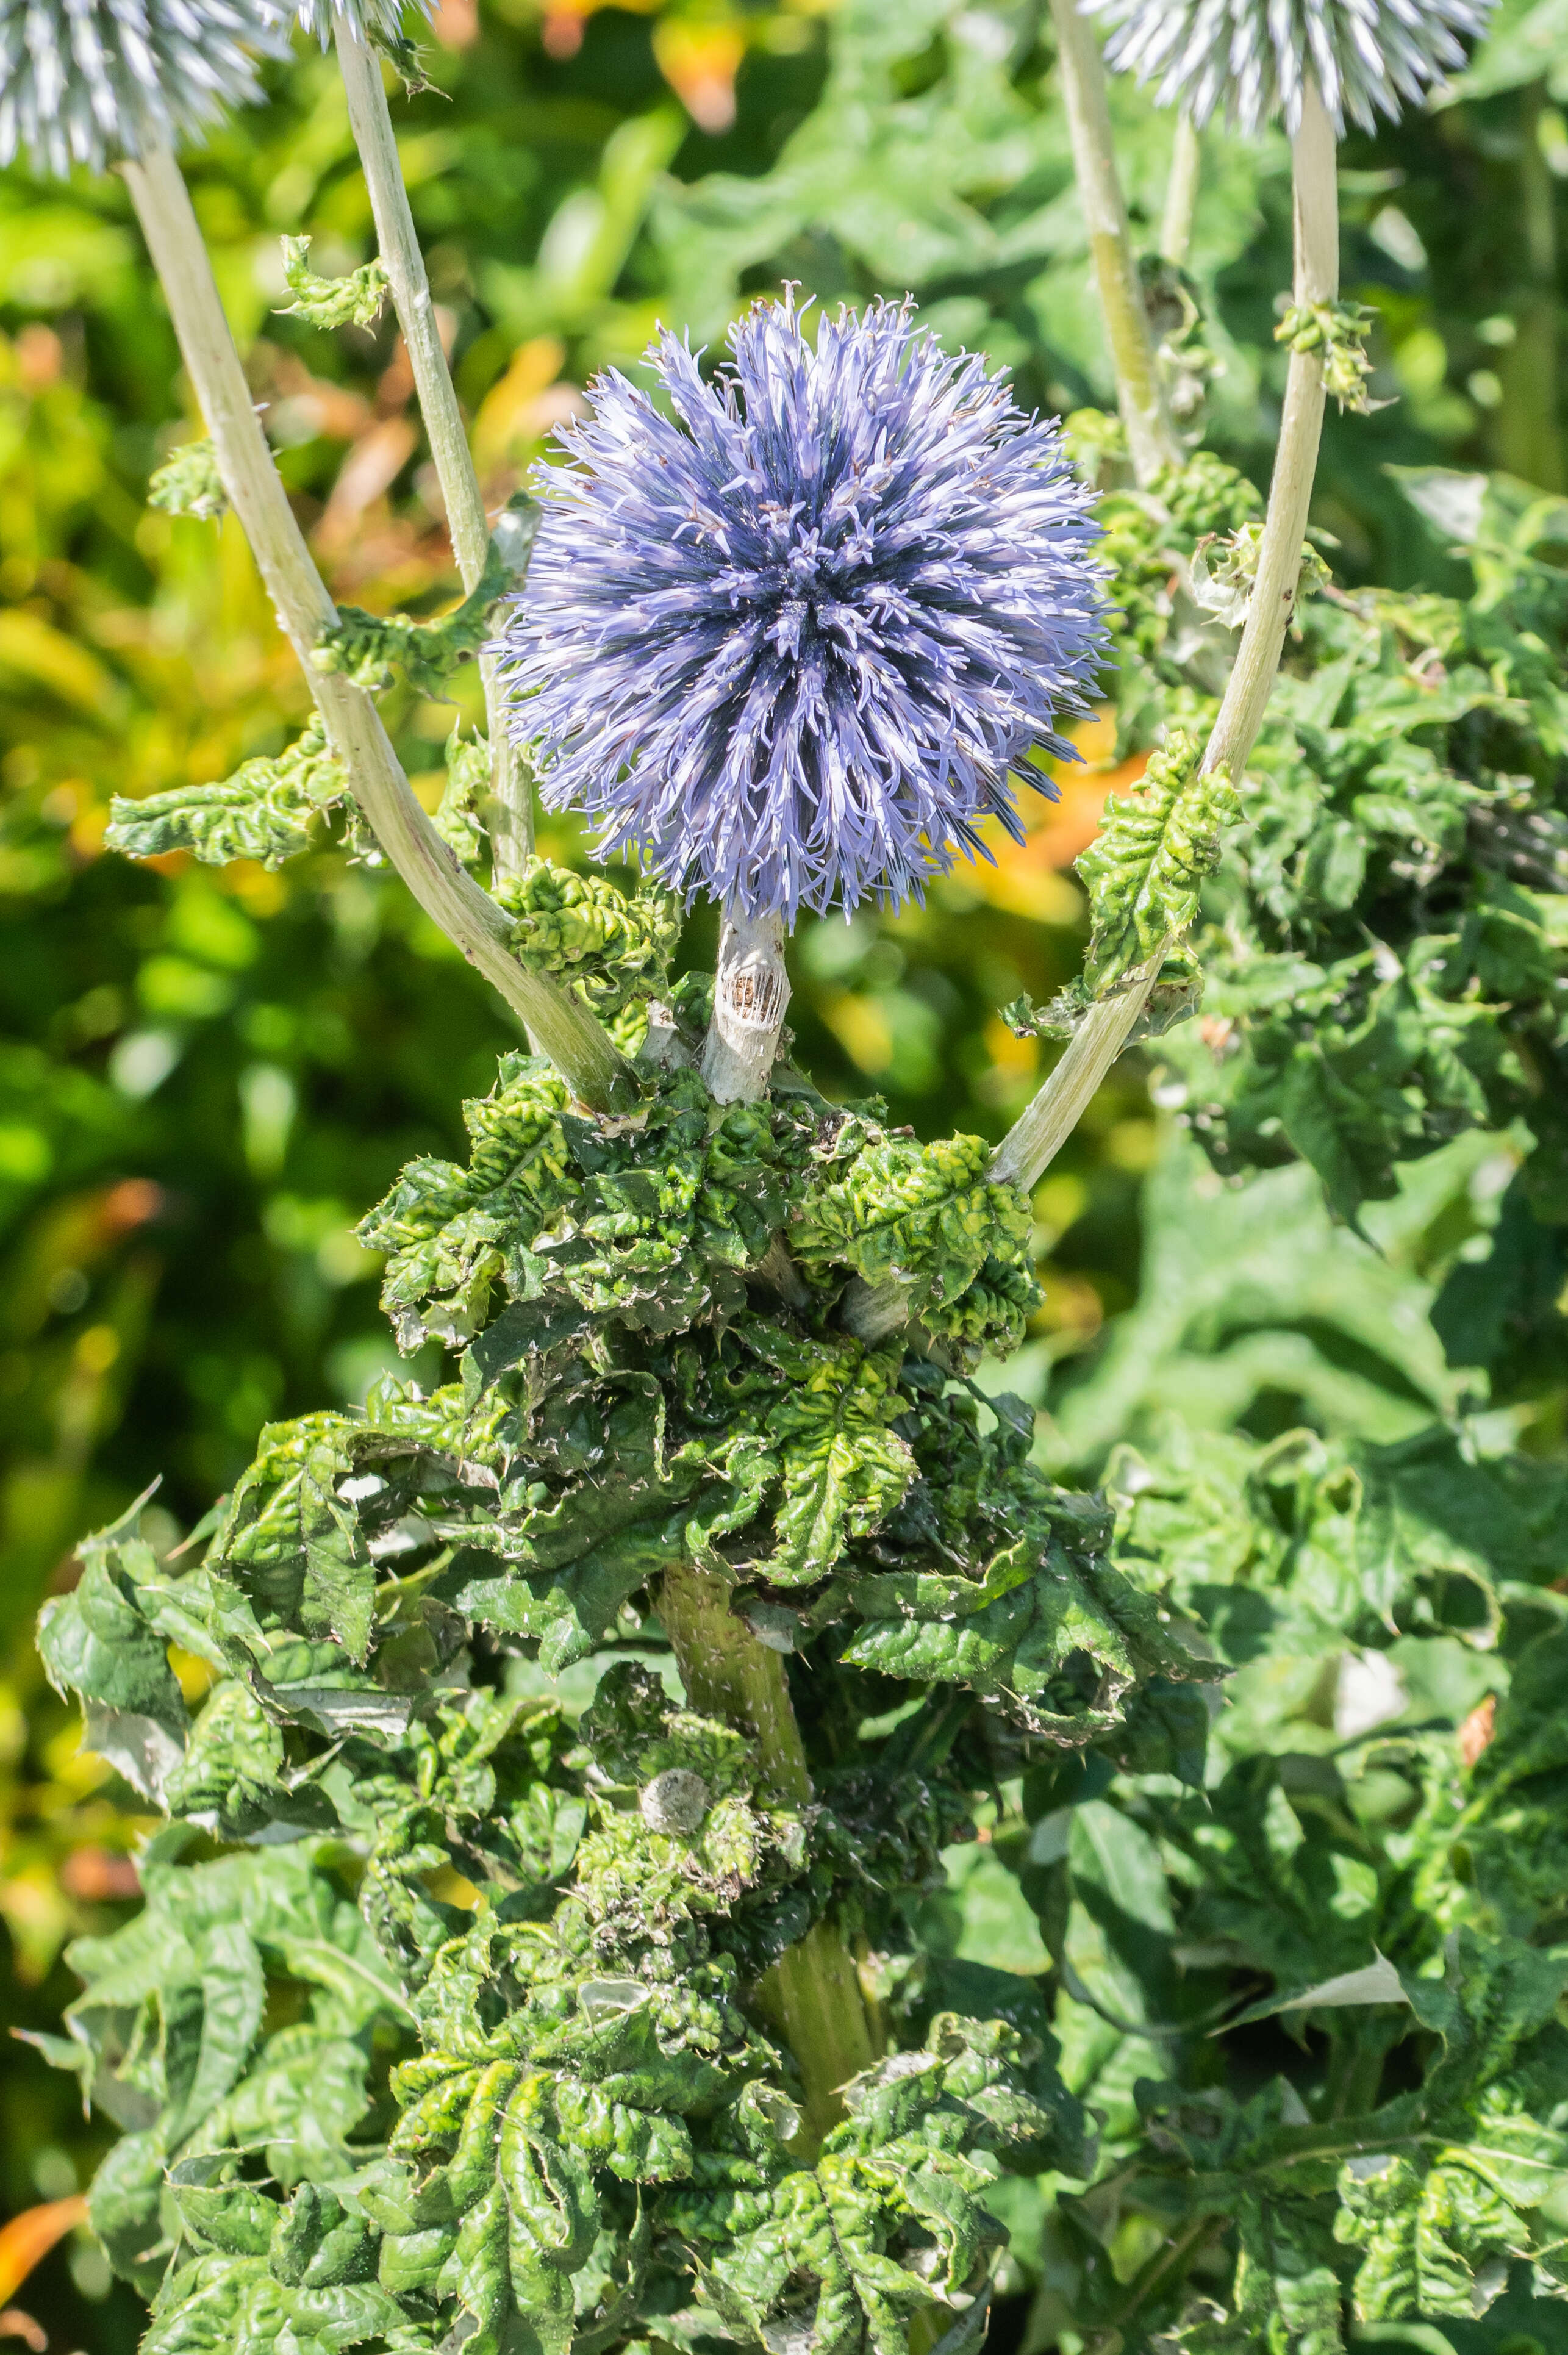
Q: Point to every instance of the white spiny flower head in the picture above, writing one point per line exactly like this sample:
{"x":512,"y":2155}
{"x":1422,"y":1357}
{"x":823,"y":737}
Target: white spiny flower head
{"x":1249,"y":60}
{"x":365,"y":19}
{"x":85,"y":81}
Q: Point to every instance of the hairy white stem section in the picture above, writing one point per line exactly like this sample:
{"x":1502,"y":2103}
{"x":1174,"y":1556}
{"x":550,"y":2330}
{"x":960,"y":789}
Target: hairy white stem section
{"x":750,"y":994}
{"x":1151,"y":437}
{"x":1028,"y":1148}
{"x":1181,"y":192}
{"x":512,"y":837}
{"x":564,"y":1031}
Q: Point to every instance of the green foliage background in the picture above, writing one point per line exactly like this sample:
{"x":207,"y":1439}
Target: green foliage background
{"x":207,"y":1076}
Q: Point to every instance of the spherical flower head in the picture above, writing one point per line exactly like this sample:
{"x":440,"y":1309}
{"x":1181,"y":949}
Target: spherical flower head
{"x":1249,"y":60}
{"x":784,"y":645}
{"x":82,"y":81}
{"x":367,"y":20}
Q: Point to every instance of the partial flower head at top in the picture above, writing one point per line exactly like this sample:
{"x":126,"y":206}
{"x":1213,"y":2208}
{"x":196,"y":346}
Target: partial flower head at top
{"x":370,"y":20}
{"x":1247,"y":59}
{"x":84,"y":81}
{"x":785,"y":645}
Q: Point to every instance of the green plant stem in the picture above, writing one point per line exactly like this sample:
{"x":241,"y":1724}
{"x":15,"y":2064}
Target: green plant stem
{"x":1173,"y":2255}
{"x":1046,"y":1122}
{"x":1272,"y":602}
{"x":512,"y":837}
{"x":1355,"y":2076}
{"x":1151,"y":438}
{"x":1526,"y":427}
{"x":586,"y":1057}
{"x":1028,"y":1148}
{"x":1181,"y":192}
{"x":727,"y":1669}
{"x":729,"y":1672}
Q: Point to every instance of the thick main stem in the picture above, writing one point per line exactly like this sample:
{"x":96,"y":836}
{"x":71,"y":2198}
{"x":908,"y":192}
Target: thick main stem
{"x":729,"y":1672}
{"x":727,"y":1669}
{"x":1151,"y":438}
{"x":1029,"y":1147}
{"x":750,"y":994}
{"x":512,"y":838}
{"x":564,"y":1031}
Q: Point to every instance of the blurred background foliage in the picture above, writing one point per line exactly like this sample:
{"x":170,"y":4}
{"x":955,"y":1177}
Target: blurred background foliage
{"x":205,"y":1076}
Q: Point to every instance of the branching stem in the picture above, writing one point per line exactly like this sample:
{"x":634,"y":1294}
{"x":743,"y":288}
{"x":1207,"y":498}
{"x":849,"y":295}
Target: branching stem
{"x":1044,"y":1127}
{"x":564,"y":1031}
{"x":1151,"y":438}
{"x":512,"y":838}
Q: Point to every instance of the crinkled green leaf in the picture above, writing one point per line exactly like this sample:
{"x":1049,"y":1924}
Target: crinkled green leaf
{"x":1384,"y":948}
{"x":813,"y":2248}
{"x":370,"y":649}
{"x":459,"y":820}
{"x":1287,"y":2296}
{"x":352,"y":301}
{"x":188,"y":483}
{"x":223,"y":2301}
{"x":608,"y":943}
{"x":843,"y":1469}
{"x":266,"y":810}
{"x":927,"y":1216}
{"x":1052,"y":1634}
{"x":291,"y":1544}
{"x":97,"y":1642}
{"x":1154,"y":850}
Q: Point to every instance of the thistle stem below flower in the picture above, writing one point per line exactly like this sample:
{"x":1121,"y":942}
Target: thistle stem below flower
{"x":586,"y":1057}
{"x":729,"y":1672}
{"x":1316,"y":280}
{"x":1030,"y":1146}
{"x":1151,"y":437}
{"x":750,"y":994}
{"x":511,"y":839}
{"x":1181,"y":192}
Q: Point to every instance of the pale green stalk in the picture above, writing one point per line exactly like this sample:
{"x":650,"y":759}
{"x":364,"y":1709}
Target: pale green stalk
{"x":563,"y":1030}
{"x":1038,"y":1135}
{"x":1151,"y":437}
{"x":511,"y":836}
{"x":1181,"y":192}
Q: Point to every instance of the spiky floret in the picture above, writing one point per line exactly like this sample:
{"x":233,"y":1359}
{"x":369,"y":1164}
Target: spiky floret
{"x":366,"y":19}
{"x":1248,"y":59}
{"x":82,"y":81}
{"x":784,"y":645}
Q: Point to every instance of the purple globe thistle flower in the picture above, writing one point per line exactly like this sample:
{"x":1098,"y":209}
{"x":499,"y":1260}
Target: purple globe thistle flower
{"x":785,"y":647}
